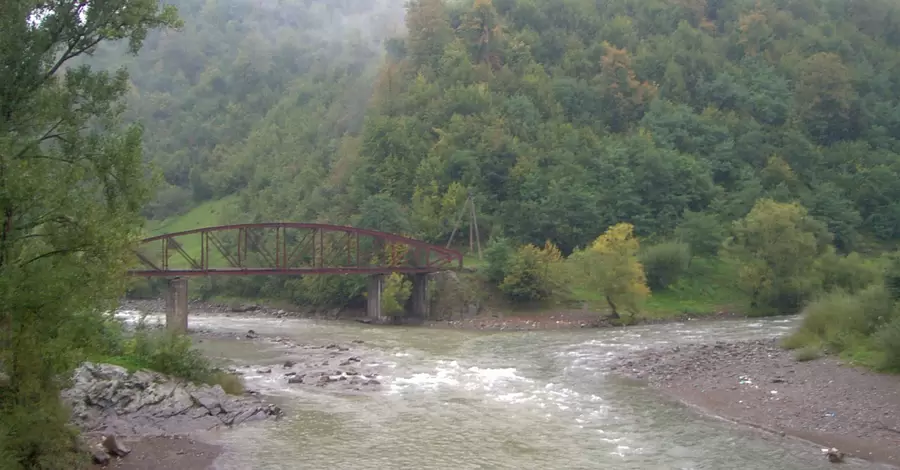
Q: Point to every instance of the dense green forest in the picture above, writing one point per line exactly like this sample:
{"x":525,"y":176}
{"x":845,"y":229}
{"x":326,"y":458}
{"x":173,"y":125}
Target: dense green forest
{"x":752,"y":143}
{"x":578,"y":114}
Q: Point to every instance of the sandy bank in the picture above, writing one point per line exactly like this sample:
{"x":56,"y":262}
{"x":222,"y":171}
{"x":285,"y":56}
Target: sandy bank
{"x":759,"y":384}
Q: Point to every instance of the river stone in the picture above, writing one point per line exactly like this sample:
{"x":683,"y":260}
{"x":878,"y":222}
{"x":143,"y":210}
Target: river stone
{"x":107,"y":398}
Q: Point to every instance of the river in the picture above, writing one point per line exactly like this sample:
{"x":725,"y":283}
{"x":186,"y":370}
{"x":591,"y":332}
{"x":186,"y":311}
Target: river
{"x":460,"y":400}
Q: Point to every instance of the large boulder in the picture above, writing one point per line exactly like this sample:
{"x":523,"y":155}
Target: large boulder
{"x":109,"y":399}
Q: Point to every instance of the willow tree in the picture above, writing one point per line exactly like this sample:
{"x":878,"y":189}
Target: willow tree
{"x":71,"y":184}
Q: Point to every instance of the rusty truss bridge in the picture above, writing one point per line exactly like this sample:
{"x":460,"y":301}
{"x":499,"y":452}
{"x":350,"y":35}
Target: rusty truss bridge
{"x":285,"y":248}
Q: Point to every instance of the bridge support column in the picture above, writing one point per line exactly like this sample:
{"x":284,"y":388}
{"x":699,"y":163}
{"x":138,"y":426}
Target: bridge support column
{"x":373,"y":297}
{"x":418,"y":299}
{"x":177,"y":306}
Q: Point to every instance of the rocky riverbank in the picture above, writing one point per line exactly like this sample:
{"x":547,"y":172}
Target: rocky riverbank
{"x":164,"y":423}
{"x":760,"y":384}
{"x":108,"y":399}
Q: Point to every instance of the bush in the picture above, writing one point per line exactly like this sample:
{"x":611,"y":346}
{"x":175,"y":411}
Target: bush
{"x":851,"y":273}
{"x":888,"y":341}
{"x":842,"y":320}
{"x":892,"y":274}
{"x":533,"y":274}
{"x":865,"y":325}
{"x":170,"y":354}
{"x":665,"y":263}
{"x":498,"y":255}
{"x":397,"y":290}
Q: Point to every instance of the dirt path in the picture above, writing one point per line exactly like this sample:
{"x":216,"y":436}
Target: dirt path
{"x":759,"y":384}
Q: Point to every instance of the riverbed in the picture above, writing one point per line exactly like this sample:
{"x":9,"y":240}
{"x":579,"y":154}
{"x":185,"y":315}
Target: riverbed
{"x":490,"y":400}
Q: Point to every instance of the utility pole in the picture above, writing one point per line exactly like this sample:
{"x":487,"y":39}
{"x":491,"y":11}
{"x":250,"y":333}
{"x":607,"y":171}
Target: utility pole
{"x":474,"y":236}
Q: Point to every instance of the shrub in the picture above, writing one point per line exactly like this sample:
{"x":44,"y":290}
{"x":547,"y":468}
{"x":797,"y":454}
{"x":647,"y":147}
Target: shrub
{"x":665,"y":263}
{"x":851,"y":273}
{"x":888,"y":341}
{"x":892,"y":274}
{"x":533,"y":274}
{"x":842,"y":320}
{"x":170,"y":354}
{"x":498,"y":255}
{"x":864,"y":326}
{"x":397,"y":290}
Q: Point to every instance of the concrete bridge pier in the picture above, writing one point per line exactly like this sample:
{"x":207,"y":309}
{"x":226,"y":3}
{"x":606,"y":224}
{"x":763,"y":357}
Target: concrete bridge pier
{"x":373,"y":297}
{"x":418,"y":299}
{"x":177,"y":305}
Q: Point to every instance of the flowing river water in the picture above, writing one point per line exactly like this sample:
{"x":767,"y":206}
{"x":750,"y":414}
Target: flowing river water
{"x":460,"y":400}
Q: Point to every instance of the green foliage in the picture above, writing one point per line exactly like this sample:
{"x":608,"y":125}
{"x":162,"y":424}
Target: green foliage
{"x":397,"y":289}
{"x":434,"y":214}
{"x":851,"y":273}
{"x":325,"y":290}
{"x":610,"y":266}
{"x":703,"y":232}
{"x":71,"y":184}
{"x":710,"y":285}
{"x":160,"y":351}
{"x":564,"y":117}
{"x":861,"y":325}
{"x":498,"y":255}
{"x":778,"y":246}
{"x":167,"y":353}
{"x":892,"y":274}
{"x":887,"y":339}
{"x":665,"y":263}
{"x":533,"y":274}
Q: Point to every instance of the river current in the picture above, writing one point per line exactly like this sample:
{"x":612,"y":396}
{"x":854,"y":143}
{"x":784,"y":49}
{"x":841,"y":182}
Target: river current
{"x":466,"y":400}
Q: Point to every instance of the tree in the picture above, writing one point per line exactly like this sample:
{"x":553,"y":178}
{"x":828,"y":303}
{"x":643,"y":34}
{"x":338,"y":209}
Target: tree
{"x":611,"y":268}
{"x":429,"y":32}
{"x":704,"y":232}
{"x":777,"y":246}
{"x":71,"y":185}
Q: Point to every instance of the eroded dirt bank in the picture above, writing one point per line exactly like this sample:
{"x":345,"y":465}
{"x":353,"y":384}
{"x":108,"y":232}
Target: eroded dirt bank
{"x":759,"y":384}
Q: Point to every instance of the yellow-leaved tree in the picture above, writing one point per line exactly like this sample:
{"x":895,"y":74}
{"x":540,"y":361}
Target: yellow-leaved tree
{"x":610,"y":266}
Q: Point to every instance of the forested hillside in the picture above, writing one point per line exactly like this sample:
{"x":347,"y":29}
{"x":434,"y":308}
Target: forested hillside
{"x":253,"y":96}
{"x":562,"y":117}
